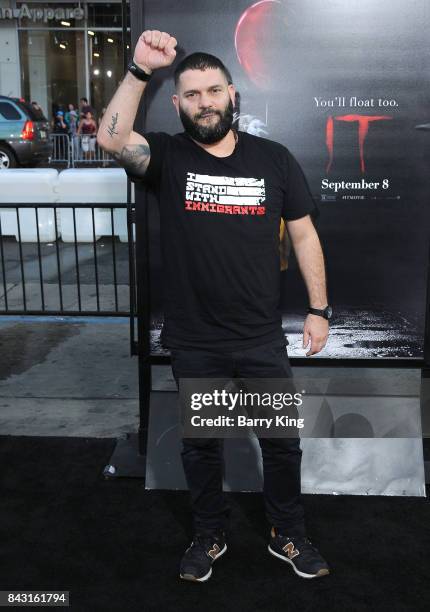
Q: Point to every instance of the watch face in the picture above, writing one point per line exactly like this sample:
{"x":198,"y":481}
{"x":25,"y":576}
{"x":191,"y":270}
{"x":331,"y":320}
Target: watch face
{"x":328,"y":312}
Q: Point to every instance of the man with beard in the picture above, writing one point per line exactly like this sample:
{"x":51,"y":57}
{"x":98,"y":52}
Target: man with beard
{"x":222,"y":195}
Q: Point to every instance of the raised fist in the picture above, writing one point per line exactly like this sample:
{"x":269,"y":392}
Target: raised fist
{"x":154,"y":50}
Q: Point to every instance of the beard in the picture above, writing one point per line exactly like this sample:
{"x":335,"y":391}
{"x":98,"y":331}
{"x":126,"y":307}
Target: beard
{"x":211,"y":133}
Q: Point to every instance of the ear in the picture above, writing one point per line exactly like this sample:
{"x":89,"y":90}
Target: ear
{"x":232,"y":93}
{"x":175,"y":100}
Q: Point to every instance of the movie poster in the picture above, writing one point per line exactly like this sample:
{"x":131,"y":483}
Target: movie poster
{"x":344,"y":85}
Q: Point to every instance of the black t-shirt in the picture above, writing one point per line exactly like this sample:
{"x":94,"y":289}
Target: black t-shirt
{"x":220,"y":222}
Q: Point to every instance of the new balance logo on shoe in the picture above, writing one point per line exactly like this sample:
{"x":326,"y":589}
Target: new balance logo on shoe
{"x":196,"y":564}
{"x":290,"y":550}
{"x":299,"y":552}
{"x":213,"y":552}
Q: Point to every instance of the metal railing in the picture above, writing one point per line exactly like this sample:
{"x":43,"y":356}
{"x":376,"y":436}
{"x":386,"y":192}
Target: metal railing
{"x":61,"y":149}
{"x":79,"y":149}
{"x":65,"y":259}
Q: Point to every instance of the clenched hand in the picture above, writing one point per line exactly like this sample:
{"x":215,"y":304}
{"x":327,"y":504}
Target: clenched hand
{"x":154,"y":50}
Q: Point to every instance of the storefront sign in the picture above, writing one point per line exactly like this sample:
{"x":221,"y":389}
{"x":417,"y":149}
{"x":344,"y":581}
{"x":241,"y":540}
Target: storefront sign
{"x":43,"y":14}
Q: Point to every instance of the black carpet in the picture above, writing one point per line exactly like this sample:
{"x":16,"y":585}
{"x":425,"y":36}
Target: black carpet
{"x":116,"y":547}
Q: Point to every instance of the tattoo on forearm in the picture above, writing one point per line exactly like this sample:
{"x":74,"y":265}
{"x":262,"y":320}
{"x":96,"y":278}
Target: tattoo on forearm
{"x":135,"y":158}
{"x":111,"y":129}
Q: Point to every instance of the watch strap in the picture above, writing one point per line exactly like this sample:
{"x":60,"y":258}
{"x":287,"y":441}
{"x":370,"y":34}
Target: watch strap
{"x":325,"y":313}
{"x":138,"y":72}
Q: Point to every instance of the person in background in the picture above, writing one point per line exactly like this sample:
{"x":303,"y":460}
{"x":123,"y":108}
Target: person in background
{"x":60,"y":126}
{"x":84,"y":107}
{"x":87,"y":129}
{"x":82,"y":103}
{"x":60,"y":131}
{"x":71,"y":119}
{"x":78,"y":153}
{"x":37,"y":107}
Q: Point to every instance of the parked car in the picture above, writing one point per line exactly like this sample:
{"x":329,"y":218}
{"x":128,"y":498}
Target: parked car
{"x":24,"y":134}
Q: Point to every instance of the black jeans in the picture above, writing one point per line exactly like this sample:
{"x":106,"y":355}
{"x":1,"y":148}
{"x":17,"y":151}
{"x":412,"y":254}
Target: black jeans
{"x":202,"y":458}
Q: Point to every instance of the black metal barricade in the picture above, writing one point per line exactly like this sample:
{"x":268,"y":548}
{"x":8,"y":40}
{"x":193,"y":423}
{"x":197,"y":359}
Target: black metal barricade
{"x":32,"y":268}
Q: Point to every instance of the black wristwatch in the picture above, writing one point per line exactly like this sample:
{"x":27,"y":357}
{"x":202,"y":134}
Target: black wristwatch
{"x":138,"y":72}
{"x":326,"y":313}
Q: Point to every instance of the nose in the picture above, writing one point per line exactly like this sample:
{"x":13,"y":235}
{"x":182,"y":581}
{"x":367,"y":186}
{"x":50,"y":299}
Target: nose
{"x":205,"y":101}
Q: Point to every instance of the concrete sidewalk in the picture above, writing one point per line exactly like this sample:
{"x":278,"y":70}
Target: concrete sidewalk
{"x":69,"y":377}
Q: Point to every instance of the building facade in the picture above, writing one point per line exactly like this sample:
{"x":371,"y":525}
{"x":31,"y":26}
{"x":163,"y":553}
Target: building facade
{"x":56,"y":52}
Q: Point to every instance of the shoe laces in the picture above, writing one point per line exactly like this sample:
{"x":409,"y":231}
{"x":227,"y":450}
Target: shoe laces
{"x":298,"y":542}
{"x":204,"y":540}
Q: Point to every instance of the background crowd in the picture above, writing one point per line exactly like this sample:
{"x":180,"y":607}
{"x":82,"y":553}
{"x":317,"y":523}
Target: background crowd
{"x":80,"y":124}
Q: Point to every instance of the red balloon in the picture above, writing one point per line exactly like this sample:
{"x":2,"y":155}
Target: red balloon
{"x":259,"y":39}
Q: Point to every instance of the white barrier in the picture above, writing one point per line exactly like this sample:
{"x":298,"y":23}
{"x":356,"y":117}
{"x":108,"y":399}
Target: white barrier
{"x":29,"y":185}
{"x":33,"y":185}
{"x":93,"y":185}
